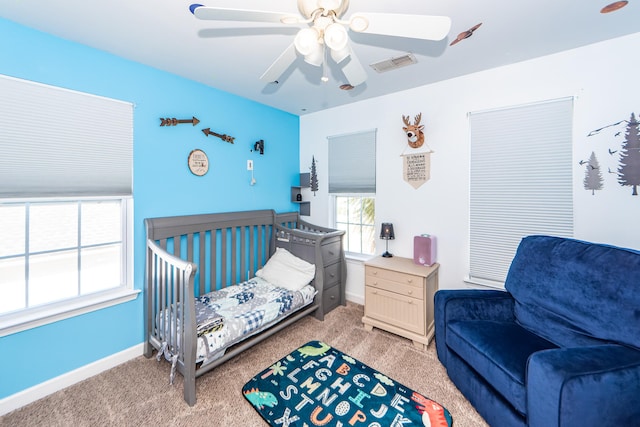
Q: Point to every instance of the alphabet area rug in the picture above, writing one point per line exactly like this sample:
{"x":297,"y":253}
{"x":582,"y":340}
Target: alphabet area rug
{"x":317,"y":385}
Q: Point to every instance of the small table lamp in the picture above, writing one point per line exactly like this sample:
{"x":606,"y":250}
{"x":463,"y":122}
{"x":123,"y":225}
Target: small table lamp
{"x":387,"y":234}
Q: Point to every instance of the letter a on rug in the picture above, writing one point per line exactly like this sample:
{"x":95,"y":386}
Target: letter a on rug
{"x":317,"y":385}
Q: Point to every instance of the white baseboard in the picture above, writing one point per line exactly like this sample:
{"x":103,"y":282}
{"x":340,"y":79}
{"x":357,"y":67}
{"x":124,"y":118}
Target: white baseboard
{"x":46,"y":388}
{"x":354,"y":298}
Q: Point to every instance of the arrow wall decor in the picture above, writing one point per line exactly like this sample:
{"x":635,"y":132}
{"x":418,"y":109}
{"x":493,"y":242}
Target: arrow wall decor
{"x":225,"y":138}
{"x":174,"y":121}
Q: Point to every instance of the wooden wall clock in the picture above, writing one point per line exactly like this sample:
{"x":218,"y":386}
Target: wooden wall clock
{"x":198,"y":162}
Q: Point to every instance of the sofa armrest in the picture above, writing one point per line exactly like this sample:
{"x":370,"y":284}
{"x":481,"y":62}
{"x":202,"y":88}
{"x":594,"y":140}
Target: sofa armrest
{"x":584,"y":386}
{"x":468,"y":304}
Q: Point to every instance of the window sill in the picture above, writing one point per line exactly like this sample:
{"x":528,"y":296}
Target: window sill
{"x":28,"y":319}
{"x":353,"y":256}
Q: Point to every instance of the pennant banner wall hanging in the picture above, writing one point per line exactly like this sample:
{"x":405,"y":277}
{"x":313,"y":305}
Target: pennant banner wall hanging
{"x":416,"y":169}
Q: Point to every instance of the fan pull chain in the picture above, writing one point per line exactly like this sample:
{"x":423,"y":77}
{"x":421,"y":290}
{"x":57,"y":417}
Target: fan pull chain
{"x":325,"y":70}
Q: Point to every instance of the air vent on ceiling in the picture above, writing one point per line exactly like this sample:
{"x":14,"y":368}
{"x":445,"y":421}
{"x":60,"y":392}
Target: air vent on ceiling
{"x":393,"y":63}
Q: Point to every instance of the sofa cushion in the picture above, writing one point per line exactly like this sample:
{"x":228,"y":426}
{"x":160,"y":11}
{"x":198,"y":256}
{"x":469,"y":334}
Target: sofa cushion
{"x":498,"y":351}
{"x":576,"y":293}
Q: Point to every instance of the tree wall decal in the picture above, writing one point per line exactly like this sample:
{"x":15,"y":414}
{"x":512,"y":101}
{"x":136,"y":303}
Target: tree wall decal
{"x":592,"y":176}
{"x":314,"y":176}
{"x":629,"y":170}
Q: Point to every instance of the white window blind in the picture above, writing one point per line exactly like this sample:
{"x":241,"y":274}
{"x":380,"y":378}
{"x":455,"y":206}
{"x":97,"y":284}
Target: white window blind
{"x":521,"y":182}
{"x":58,"y":142}
{"x":352,"y":163}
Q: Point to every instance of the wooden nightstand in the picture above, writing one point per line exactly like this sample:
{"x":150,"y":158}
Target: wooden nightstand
{"x":398,"y":298}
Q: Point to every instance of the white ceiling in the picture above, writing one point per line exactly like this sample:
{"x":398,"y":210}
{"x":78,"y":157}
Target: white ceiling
{"x":232,"y":56}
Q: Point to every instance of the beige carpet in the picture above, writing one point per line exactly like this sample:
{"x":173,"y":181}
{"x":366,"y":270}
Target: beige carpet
{"x":137,"y":393}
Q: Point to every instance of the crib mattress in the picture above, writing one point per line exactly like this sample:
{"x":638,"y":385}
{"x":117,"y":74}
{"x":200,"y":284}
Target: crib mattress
{"x":227,"y":316}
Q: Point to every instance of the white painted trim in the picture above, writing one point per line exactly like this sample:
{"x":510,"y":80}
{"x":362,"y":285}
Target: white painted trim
{"x":53,"y":385}
{"x":32,"y":318}
{"x":357,"y":299}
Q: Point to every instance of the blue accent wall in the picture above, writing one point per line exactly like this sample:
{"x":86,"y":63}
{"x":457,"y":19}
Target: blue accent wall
{"x":163,"y":184}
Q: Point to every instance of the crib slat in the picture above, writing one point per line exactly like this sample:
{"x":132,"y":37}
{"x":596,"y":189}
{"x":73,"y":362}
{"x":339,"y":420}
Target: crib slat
{"x":252,"y":233}
{"x":213,"y":255}
{"x":243,"y":255}
{"x":223,"y":263}
{"x":234,"y":247}
{"x":202,"y":244}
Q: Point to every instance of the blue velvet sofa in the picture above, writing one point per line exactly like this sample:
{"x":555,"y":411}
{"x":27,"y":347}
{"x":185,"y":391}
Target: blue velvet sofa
{"x":561,"y":347}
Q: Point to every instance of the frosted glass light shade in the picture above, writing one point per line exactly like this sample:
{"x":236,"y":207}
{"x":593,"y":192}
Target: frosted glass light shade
{"x":306,"y":41}
{"x":336,"y":37}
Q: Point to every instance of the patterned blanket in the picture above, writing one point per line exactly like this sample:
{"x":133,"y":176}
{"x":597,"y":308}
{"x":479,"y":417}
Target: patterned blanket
{"x":229,"y":315}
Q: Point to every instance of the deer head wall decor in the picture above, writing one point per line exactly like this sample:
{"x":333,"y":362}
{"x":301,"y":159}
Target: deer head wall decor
{"x":415,"y":136}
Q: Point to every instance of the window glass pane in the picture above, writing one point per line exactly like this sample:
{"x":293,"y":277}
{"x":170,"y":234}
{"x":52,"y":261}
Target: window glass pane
{"x":100,"y":268}
{"x":100,"y":222}
{"x":12,"y":228}
{"x":356,"y":215}
{"x":368,"y":211}
{"x":53,"y":226}
{"x":368,"y":239}
{"x":355,"y":238}
{"x":53,"y":277}
{"x":355,"y":210}
{"x":12,"y":284}
{"x":342,"y":209}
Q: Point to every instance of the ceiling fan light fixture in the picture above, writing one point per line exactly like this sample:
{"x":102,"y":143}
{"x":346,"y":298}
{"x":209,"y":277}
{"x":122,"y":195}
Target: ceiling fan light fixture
{"x":336,"y":37}
{"x":340,"y":55}
{"x":329,"y":4}
{"x":316,"y":57}
{"x":306,"y":41}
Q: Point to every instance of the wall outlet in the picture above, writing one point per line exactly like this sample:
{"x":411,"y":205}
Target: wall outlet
{"x":249,"y":165}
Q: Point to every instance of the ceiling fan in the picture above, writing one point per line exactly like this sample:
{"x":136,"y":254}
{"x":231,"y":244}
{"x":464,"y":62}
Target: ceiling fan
{"x":324,"y":33}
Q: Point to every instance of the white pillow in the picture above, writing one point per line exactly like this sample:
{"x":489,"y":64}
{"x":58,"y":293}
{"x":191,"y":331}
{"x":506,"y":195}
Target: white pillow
{"x":287,"y":270}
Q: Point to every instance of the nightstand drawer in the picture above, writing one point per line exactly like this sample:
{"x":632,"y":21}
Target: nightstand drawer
{"x":414,"y":290}
{"x":394,"y":276}
{"x":394,"y":309}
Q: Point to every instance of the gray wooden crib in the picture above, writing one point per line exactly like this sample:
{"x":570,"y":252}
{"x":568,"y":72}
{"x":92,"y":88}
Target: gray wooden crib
{"x":191,"y":255}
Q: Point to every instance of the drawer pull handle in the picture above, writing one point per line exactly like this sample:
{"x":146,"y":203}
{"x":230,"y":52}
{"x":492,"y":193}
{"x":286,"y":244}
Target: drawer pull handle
{"x":331,"y":253}
{"x":410,"y":280}
{"x":410,"y":302}
{"x":332,"y":275}
{"x":374,"y":272}
{"x":332,"y":297}
{"x":410,"y":292}
{"x":375,"y":292}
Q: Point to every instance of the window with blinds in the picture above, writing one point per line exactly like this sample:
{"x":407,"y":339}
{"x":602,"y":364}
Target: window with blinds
{"x":66,"y":165}
{"x":520,"y":182}
{"x":352,"y":185}
{"x":352,"y":163}
{"x":59,"y":142}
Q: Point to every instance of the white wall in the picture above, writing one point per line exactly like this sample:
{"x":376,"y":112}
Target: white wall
{"x":602,"y":77}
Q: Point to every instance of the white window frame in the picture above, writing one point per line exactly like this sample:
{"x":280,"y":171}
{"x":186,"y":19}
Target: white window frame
{"x":28,"y":318}
{"x":336,"y":224}
{"x":521,"y":182}
{"x":57,"y":144}
{"x":352,"y":173}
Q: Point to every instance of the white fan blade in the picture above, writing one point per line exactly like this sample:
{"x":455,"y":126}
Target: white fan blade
{"x":224,"y":14}
{"x":280,"y":65}
{"x":425,"y":27}
{"x":353,"y":71}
